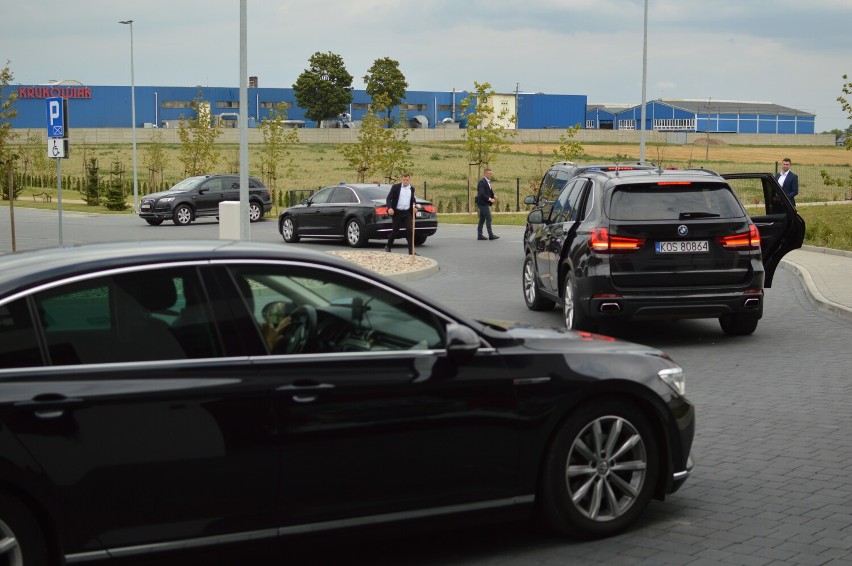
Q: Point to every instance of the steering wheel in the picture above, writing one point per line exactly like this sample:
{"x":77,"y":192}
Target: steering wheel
{"x":300,"y":333}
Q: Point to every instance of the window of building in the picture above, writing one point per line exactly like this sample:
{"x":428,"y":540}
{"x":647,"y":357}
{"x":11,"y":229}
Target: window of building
{"x":417,"y":107}
{"x":674,"y":125}
{"x":228,"y":104}
{"x":590,"y":124}
{"x":627,"y":124}
{"x":177,"y":104}
{"x":446,"y":107}
{"x":279,"y":104}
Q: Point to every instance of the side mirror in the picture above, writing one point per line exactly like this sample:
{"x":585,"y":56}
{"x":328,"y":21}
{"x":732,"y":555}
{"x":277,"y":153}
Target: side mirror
{"x":462,"y":343}
{"x":529,"y":199}
{"x":202,"y":191}
{"x":535,"y":217}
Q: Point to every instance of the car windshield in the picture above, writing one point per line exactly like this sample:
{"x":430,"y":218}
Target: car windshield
{"x":186,"y":184}
{"x":653,"y":201}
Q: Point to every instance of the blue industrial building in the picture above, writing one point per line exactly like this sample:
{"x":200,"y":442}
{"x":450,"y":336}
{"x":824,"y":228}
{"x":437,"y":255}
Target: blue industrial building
{"x":109,"y":107}
{"x":715,"y":116}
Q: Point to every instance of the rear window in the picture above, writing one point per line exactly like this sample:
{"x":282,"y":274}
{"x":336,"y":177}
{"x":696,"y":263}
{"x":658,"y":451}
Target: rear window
{"x":674,"y":202}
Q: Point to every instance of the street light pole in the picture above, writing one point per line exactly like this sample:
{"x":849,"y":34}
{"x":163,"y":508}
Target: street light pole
{"x":133,"y":118}
{"x":644,"y":83}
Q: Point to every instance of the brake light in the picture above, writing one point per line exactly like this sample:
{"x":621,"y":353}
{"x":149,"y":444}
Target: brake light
{"x":661,"y":183}
{"x":602,"y":243}
{"x":381,"y":211}
{"x":744,"y":241}
{"x":430,"y":208}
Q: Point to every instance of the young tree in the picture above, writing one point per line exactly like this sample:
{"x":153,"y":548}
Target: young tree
{"x":380,"y":150}
{"x":33,"y":155}
{"x":198,"y":137}
{"x":7,"y":114}
{"x":846,"y":104}
{"x":156,"y":160}
{"x":569,"y":148}
{"x":486,"y":133}
{"x":324,"y":89}
{"x":275,"y":156}
{"x":385,"y":78}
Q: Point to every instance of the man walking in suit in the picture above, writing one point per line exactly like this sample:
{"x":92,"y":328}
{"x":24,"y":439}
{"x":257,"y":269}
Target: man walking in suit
{"x":484,"y":199}
{"x":401,"y":204}
{"x":788,"y":180}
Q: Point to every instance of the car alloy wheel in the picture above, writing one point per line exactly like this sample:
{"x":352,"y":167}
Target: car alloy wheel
{"x":255,"y":212}
{"x":531,"y":295}
{"x":21,"y":540}
{"x":355,"y":234}
{"x":601,"y":471}
{"x":288,"y":230}
{"x":183,"y":215}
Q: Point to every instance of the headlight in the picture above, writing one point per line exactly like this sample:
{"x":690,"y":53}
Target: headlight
{"x":674,"y":379}
{"x":167,"y":199}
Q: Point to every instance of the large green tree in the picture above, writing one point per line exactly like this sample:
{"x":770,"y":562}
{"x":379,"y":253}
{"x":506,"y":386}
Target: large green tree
{"x":324,"y":89}
{"x":385,"y":78}
{"x":7,"y":114}
{"x":486,"y":133}
{"x":198,"y":135}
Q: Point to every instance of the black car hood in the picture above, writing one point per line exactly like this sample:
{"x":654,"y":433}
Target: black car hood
{"x":555,"y":339}
{"x":162,"y":194}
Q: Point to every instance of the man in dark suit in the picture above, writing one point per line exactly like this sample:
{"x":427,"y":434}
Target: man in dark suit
{"x":401,"y":205}
{"x":484,"y":199}
{"x":788,"y":180}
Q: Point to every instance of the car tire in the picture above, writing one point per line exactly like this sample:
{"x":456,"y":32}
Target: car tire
{"x":354,"y":234}
{"x":255,"y":212}
{"x":419,"y":240}
{"x":532,"y":296}
{"x":18,"y":524}
{"x":182,"y":215}
{"x":154,"y":221}
{"x":600,"y":472}
{"x":741,"y":324}
{"x":289,"y":231}
{"x":572,"y":312}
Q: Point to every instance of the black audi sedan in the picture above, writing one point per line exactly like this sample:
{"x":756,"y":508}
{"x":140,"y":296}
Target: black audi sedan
{"x":173,"y":395}
{"x":354,"y":212}
{"x":654,"y":244}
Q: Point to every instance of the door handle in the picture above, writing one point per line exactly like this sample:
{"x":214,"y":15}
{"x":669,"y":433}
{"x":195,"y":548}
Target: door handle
{"x":49,"y":405}
{"x":306,"y":393}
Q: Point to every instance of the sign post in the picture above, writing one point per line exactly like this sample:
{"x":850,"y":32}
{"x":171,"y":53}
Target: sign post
{"x":57,"y":144}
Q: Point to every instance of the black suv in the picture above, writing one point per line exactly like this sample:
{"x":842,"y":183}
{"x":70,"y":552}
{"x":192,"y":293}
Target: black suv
{"x":563,"y":171}
{"x":654,"y":244}
{"x":200,"y":196}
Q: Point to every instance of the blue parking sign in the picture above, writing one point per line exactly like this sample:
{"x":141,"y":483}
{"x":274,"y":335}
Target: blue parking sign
{"x":56,"y":117}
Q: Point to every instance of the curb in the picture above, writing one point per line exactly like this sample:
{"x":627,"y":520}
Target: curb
{"x":416,"y":274}
{"x":811,"y":290}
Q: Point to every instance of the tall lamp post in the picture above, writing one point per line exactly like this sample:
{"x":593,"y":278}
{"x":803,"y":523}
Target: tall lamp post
{"x":133,"y":118}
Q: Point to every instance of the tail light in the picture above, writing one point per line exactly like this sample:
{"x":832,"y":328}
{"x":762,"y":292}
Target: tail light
{"x":602,"y":243}
{"x":381,"y":211}
{"x":430,"y":208}
{"x":744,"y":241}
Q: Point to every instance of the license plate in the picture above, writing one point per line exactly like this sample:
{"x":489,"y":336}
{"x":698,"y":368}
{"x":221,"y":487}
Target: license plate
{"x":146,"y":207}
{"x":421,"y":215}
{"x":684,"y":247}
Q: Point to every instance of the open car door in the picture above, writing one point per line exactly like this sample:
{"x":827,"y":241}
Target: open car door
{"x":781,"y":228}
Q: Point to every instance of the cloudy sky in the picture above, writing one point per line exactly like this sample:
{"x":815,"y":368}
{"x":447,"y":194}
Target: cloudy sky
{"x":792,"y":53}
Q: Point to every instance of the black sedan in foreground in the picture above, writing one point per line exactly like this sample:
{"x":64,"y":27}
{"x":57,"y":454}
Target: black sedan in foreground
{"x":355,"y":212}
{"x":174,"y":395}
